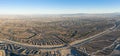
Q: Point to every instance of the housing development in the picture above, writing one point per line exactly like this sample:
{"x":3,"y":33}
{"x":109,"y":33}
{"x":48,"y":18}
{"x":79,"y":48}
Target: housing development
{"x":60,"y":35}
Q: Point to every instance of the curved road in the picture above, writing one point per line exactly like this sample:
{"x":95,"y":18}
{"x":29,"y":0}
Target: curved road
{"x":54,"y":47}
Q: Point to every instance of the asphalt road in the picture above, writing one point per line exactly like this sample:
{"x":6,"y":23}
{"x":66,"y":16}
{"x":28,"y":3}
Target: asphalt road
{"x":56,"y":47}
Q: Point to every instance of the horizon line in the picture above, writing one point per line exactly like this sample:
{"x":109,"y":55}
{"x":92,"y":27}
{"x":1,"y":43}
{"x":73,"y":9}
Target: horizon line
{"x":58,"y":13}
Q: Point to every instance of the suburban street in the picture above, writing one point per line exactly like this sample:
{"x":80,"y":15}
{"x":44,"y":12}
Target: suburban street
{"x":57,"y":47}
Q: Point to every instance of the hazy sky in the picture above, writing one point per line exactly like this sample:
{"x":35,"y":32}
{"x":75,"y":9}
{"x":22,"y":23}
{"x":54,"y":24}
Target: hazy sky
{"x":58,"y":6}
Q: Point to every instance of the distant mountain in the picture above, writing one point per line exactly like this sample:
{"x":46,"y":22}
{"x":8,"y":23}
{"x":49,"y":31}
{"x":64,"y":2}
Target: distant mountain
{"x":91,"y":15}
